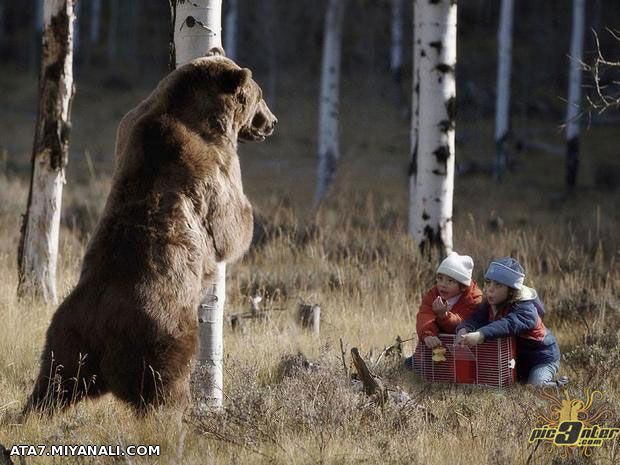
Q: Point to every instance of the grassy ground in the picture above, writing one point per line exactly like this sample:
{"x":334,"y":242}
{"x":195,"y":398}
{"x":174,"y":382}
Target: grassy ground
{"x":360,"y":265}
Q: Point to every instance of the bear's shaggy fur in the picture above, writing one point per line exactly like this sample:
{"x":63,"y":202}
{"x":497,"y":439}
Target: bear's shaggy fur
{"x":176,"y":207}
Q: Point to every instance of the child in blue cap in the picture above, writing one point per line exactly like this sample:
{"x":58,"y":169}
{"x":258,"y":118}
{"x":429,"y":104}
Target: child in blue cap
{"x":512,"y":309}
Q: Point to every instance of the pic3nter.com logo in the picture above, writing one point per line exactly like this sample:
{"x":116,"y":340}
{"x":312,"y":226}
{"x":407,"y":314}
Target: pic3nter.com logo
{"x":574,"y":423}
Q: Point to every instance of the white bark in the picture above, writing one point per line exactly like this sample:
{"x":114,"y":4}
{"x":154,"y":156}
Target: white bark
{"x":396,"y":49}
{"x":329,"y":150}
{"x":95,"y":22}
{"x":502,"y":103}
{"x":197,"y":30}
{"x":432,"y":224}
{"x":40,"y":255}
{"x":575,"y":71}
{"x":574,"y":93}
{"x":415,"y":100}
{"x":212,"y":340}
{"x":39,"y":239}
{"x":232,"y":18}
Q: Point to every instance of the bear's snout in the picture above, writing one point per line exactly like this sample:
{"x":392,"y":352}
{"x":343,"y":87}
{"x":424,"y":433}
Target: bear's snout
{"x":259,"y":120}
{"x":261,"y":125}
{"x":265,"y":126}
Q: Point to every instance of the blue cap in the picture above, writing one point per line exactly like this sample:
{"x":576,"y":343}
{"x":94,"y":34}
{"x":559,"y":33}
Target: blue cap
{"x":506,"y":271}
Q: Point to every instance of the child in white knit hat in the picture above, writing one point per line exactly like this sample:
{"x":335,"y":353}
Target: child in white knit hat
{"x":452,"y":299}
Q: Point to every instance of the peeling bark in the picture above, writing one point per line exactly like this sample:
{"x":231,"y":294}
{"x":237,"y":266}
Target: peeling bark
{"x":38,"y":246}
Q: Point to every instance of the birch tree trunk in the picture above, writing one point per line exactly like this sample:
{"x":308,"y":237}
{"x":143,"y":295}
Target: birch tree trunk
{"x":415,"y":107}
{"x":232,"y":19}
{"x":38,"y":246}
{"x":329,"y":150}
{"x":128,"y":31}
{"x":95,"y":22}
{"x":197,"y":29}
{"x":574,"y":94}
{"x":502,"y":104}
{"x":270,"y":34}
{"x":432,"y":222}
{"x":396,"y":49}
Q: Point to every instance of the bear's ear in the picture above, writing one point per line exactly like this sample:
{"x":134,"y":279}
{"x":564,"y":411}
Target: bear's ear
{"x":216,"y":51}
{"x":233,"y":79}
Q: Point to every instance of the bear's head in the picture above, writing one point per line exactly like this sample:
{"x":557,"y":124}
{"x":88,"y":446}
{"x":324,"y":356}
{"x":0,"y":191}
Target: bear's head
{"x":213,"y":94}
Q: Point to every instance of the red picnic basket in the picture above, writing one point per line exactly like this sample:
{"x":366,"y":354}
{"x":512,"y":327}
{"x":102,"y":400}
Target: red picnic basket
{"x":491,"y":363}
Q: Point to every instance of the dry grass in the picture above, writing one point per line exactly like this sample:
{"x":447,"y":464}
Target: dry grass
{"x":360,"y":265}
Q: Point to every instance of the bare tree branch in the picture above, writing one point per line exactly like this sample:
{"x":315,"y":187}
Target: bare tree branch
{"x":605,"y":95}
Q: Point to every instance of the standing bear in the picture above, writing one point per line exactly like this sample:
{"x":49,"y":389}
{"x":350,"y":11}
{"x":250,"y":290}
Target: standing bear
{"x":176,"y":207}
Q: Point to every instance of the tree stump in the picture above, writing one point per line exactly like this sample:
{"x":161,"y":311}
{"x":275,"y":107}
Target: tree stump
{"x":309,"y":317}
{"x":236,"y":323}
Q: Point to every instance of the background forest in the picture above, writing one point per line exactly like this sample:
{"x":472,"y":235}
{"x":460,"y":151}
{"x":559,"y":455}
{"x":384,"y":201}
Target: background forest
{"x":353,"y":256}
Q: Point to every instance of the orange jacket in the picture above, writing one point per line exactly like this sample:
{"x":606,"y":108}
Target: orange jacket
{"x":429,"y":324}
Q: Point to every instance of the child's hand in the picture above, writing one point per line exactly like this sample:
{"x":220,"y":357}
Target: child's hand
{"x":440,"y":306}
{"x":473,"y":339}
{"x":460,"y":334}
{"x":432,"y":342}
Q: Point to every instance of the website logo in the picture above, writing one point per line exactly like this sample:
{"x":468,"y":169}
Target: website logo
{"x":573,"y":423}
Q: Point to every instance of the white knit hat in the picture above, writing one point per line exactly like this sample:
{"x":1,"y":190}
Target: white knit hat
{"x":458,"y":267}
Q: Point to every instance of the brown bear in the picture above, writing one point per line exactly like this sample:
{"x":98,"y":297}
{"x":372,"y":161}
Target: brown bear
{"x":176,"y":207}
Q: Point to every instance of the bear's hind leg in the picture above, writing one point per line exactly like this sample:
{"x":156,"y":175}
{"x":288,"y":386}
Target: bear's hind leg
{"x":65,"y":377}
{"x":175,"y":394}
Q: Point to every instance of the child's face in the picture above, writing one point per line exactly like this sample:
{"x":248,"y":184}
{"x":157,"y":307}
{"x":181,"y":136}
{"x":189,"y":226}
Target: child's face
{"x":447,"y":286}
{"x":496,"y":293}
